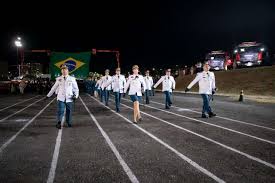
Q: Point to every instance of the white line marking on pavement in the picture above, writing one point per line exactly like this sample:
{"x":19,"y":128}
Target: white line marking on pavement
{"x":181,"y":109}
{"x":2,"y":120}
{"x":17,"y":103}
{"x":51,"y":175}
{"x":221,"y":117}
{"x":208,"y":139}
{"x":210,"y":124}
{"x":185,"y":158}
{"x":125,"y":167}
{"x":23,"y":128}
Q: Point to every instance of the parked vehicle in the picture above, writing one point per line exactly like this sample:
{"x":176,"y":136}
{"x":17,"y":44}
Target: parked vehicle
{"x":249,"y":54}
{"x":219,"y":60}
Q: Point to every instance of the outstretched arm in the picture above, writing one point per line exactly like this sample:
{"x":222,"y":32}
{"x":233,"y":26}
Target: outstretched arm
{"x":214,"y":82}
{"x":127,"y":85}
{"x":108,"y":83}
{"x":173,"y":83}
{"x":75,"y":88}
{"x":53,"y":89}
{"x":197,"y":78}
{"x":159,"y":81}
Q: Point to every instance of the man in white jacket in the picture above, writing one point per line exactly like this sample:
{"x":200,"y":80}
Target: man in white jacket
{"x":106,"y":90}
{"x":118,"y":82}
{"x":98,"y":87}
{"x":67,"y":92}
{"x":149,"y":84}
{"x":168,"y":85}
{"x":207,"y":87}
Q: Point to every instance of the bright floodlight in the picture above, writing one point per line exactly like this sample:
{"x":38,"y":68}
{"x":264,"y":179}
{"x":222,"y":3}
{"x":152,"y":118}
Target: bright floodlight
{"x":212,"y":58}
{"x":19,"y":38}
{"x":262,"y":49}
{"x":18,"y":44}
{"x":235,"y":51}
{"x":242,"y":50}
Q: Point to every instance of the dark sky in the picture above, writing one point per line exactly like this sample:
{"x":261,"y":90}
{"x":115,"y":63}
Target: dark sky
{"x":149,"y":33}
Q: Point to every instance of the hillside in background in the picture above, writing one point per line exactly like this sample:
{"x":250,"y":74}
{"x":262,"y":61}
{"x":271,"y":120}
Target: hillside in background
{"x":254,"y":81}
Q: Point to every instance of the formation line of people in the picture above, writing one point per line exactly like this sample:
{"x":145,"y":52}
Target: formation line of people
{"x":136,"y":85}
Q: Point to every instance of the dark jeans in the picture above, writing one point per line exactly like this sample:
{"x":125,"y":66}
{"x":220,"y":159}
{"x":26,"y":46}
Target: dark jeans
{"x":167,"y":99}
{"x":92,"y":91}
{"x":100,"y":94}
{"x":206,"y":100}
{"x":153,"y":91}
{"x":147,"y":94}
{"x":117,"y":99}
{"x":106,"y":94}
{"x":61,"y":109}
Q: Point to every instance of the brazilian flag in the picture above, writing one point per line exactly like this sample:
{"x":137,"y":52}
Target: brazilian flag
{"x":78,"y":64}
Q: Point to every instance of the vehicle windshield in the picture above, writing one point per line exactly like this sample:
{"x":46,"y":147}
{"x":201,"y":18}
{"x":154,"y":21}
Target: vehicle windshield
{"x":250,"y":49}
{"x":217,"y":56}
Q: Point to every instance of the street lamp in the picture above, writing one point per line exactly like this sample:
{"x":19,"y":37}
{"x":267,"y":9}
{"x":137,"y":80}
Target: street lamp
{"x":18,"y":45}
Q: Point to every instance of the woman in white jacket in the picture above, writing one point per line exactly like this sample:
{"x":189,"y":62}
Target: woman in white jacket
{"x":137,"y":86}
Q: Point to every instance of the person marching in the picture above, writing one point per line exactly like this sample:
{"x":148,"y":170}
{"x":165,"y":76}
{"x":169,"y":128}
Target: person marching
{"x":67,"y":92}
{"x":98,"y":87}
{"x":137,"y":86}
{"x":93,"y":82}
{"x":118,"y":82}
{"x":149,"y":84}
{"x":106,"y":90}
{"x":168,"y":85}
{"x":207,"y":87}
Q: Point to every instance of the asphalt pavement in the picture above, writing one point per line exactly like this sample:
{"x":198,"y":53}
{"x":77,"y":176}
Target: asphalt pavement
{"x":175,"y":145}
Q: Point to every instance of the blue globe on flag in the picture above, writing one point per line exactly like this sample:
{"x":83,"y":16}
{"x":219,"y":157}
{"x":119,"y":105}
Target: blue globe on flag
{"x":71,"y":64}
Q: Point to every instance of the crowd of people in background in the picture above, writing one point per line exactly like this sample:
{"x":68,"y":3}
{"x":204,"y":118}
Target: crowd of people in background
{"x":25,"y":85}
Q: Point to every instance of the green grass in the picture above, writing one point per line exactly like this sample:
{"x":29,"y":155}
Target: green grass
{"x":258,"y":81}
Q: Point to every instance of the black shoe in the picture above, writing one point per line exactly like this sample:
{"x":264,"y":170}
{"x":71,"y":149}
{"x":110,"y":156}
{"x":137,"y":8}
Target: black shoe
{"x":204,"y":116}
{"x":167,"y":107}
{"x":147,"y":103}
{"x":70,"y":125}
{"x":140,"y":119}
{"x":58,"y":125}
{"x":211,"y":114}
{"x":135,"y":122}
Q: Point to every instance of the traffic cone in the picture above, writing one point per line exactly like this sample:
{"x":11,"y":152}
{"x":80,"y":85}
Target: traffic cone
{"x":241,"y":96}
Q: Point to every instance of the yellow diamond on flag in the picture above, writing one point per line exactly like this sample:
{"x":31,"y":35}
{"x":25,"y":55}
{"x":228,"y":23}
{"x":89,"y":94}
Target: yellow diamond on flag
{"x":71,"y":63}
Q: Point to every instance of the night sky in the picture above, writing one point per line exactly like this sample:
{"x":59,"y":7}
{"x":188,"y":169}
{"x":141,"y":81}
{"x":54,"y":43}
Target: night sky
{"x":149,"y":33}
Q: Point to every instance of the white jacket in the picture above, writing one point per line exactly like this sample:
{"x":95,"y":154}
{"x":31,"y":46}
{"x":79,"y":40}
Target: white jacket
{"x":98,"y":84}
{"x":105,"y":80}
{"x":136,"y":84}
{"x":168,"y":83}
{"x":206,"y":82}
{"x":148,"y":82}
{"x":118,"y":82}
{"x":65,"y":89}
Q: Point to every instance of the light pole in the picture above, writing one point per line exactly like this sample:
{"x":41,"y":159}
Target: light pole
{"x":18,"y":45}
